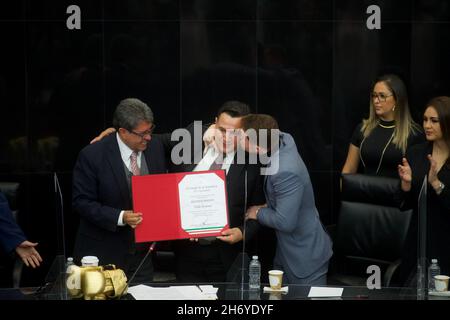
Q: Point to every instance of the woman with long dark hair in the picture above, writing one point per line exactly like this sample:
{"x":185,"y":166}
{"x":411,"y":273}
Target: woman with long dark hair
{"x":430,"y":159}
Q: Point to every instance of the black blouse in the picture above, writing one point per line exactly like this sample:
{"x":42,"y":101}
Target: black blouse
{"x":378,"y":155}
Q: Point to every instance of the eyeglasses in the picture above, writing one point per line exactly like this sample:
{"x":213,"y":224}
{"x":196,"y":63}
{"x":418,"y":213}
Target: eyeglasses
{"x":145,"y":133}
{"x":382,"y":97}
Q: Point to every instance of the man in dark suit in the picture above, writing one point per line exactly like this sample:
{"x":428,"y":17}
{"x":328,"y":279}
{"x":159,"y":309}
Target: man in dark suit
{"x":210,"y":259}
{"x":102,"y":189}
{"x":13,"y":238}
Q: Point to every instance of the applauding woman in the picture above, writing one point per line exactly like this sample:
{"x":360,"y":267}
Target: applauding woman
{"x":430,"y":159}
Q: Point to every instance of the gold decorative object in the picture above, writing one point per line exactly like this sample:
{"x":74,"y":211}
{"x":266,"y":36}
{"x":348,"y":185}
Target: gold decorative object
{"x":96,"y":283}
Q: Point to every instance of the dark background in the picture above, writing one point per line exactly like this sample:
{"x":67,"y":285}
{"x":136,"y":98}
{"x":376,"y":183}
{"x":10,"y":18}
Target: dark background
{"x":308,"y":63}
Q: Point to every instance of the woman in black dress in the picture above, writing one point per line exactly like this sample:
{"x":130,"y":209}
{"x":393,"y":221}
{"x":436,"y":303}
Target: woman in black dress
{"x":429,"y":159}
{"x":380,"y":142}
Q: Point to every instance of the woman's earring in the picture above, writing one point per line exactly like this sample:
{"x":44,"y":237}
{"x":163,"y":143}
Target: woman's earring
{"x":393,"y":109}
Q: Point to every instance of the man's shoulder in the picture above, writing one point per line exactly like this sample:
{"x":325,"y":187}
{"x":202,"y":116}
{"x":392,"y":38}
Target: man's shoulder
{"x":94,"y":149}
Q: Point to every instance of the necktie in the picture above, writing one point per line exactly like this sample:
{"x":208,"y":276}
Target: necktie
{"x":217,"y":164}
{"x":133,"y":164}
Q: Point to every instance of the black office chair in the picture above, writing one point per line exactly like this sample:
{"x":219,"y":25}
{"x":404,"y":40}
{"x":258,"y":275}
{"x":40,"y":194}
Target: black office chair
{"x":371,"y":230}
{"x":11,"y":264}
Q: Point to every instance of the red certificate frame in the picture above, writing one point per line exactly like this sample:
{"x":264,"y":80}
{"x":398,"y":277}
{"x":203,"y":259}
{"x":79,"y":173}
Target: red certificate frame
{"x":156,"y":196}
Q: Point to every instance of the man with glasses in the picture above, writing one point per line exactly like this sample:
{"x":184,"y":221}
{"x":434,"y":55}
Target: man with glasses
{"x":102,"y":189}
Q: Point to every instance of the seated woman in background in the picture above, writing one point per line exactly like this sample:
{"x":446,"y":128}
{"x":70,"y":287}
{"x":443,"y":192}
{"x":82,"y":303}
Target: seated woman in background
{"x":429,"y":159}
{"x":381,"y":141}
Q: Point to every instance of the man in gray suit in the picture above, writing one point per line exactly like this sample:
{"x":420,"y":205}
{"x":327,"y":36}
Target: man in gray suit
{"x":304,"y":248}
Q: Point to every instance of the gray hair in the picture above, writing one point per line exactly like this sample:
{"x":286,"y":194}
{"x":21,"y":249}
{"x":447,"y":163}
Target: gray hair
{"x":130,"y":112}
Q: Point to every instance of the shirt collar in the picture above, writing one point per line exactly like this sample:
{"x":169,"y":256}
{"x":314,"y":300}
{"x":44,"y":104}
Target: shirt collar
{"x":125,"y":151}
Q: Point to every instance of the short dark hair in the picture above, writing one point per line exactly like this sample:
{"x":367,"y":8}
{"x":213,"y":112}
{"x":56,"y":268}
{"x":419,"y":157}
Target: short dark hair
{"x":260,"y":122}
{"x":234,"y":109}
{"x":130,"y":112}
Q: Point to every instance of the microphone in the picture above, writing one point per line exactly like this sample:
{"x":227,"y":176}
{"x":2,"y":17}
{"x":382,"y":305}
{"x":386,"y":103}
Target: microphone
{"x":150,"y":249}
{"x":59,"y":203}
{"x":244,"y":235}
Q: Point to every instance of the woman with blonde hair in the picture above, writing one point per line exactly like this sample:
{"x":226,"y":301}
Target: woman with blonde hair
{"x":380,"y":142}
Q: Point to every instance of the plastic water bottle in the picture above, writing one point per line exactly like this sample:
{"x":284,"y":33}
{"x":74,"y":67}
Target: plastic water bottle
{"x":254,"y":274}
{"x":69,"y":265}
{"x":433,"y":270}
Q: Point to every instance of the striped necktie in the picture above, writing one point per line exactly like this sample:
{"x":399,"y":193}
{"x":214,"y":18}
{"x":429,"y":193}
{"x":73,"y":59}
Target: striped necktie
{"x":133,"y":164}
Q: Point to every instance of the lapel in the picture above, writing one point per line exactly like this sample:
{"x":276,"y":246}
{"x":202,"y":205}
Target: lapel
{"x":148,"y":156}
{"x":235,"y":170}
{"x":117,"y":166}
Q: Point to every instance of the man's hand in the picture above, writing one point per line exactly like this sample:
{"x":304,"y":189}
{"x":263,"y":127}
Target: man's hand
{"x":252,"y":211}
{"x":231,"y":236}
{"x":104,"y":133}
{"x":132,"y":218}
{"x":29,"y":254}
{"x":208,"y":136}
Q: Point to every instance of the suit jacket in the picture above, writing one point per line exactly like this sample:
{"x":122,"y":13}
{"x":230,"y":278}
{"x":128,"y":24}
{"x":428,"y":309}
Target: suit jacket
{"x":235,"y":182}
{"x":10,"y":233}
{"x":303,"y":246}
{"x":100,"y":193}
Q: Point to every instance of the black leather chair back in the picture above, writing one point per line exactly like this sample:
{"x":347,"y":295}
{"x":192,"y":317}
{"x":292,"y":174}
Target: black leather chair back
{"x":370,"y":229}
{"x":370,"y":224}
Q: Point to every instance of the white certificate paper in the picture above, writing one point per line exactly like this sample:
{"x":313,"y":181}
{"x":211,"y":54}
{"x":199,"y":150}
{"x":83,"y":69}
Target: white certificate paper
{"x":202,"y":203}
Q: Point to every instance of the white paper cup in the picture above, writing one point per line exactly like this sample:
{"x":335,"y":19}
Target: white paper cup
{"x":441,"y":283}
{"x":275,"y":296}
{"x":275,"y":279}
{"x":89,"y":261}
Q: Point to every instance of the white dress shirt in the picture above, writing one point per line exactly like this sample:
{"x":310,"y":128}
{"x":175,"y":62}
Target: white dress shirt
{"x":210,"y":154}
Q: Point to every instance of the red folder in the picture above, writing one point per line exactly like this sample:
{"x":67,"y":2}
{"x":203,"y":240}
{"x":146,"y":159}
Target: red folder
{"x":156,"y":197}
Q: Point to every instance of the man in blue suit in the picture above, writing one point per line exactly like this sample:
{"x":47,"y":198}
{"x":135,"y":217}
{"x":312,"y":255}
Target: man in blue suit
{"x":13,"y":238}
{"x":102,"y":190}
{"x":304,"y":248}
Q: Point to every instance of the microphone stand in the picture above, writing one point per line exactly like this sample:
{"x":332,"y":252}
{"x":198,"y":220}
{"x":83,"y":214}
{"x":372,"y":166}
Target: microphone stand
{"x":243,"y":237}
{"x":59,"y":203}
{"x":150,"y":249}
